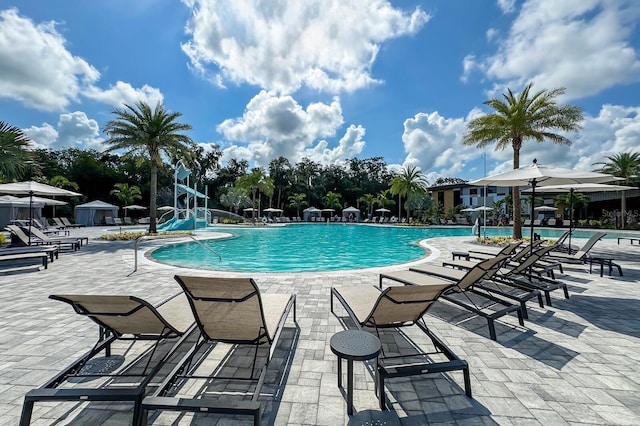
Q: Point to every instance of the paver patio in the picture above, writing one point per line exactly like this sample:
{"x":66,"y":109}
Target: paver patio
{"x":575,"y":363}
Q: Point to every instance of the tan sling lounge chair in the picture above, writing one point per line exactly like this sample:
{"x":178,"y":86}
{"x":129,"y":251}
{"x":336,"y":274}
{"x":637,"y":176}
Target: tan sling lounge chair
{"x":465,"y":292}
{"x":119,"y":318}
{"x":228,"y":310}
{"x":397,"y":307}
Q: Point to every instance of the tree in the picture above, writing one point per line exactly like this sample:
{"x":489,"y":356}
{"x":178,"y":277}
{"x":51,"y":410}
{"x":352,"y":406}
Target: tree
{"x":298,"y":201}
{"x":126,"y":194}
{"x":14,"y":154}
{"x":254,"y":183}
{"x":520,"y":118}
{"x":332,"y":200}
{"x":369,"y":200}
{"x":139,"y":129}
{"x":408,"y":183}
{"x":625,"y":165}
{"x":235,"y":199}
{"x":280,"y":172}
{"x":575,"y":199}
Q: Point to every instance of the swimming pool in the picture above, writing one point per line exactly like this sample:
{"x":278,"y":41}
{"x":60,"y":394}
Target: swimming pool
{"x":307,"y":248}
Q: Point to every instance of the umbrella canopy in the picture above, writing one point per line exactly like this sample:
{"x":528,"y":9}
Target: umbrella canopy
{"x":580,"y":187}
{"x":32,"y":188}
{"x":272,"y":210}
{"x":137,"y":207}
{"x":312,"y":209}
{"x":328,"y":210}
{"x":164,"y":208}
{"x":45,"y":201}
{"x":350,"y":210}
{"x":542,"y":175}
{"x":545,"y":209}
{"x":468,"y":209}
{"x":383,"y":210}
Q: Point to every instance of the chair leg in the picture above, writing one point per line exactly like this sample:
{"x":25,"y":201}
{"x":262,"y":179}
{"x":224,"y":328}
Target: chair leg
{"x":27,"y":410}
{"x":540,"y":300}
{"x":492,"y":329}
{"x":520,"y":317}
{"x":467,"y":382}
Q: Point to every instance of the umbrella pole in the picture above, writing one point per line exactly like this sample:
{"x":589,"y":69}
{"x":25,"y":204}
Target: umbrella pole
{"x":570,"y":217}
{"x":30,"y":214}
{"x":533,"y":204}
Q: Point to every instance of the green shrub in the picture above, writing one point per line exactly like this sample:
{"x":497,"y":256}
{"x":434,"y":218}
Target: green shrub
{"x":594,"y":223}
{"x":3,"y":238}
{"x":125,"y":236}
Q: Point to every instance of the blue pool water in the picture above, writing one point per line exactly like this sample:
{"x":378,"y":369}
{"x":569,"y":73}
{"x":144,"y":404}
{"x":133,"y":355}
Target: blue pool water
{"x":298,"y":248}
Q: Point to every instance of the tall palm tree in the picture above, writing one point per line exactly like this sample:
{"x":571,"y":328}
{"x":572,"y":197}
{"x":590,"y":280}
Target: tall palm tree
{"x":408,"y":183}
{"x":332,"y":200}
{"x":298,"y":201}
{"x":141,"y":130}
{"x":518,"y":118}
{"x":235,"y":199}
{"x":255,"y":182}
{"x":625,"y":165}
{"x":14,"y":152}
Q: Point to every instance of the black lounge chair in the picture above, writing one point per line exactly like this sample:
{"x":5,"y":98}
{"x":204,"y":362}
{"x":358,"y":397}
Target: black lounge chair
{"x":227,"y":310}
{"x":120,"y":318}
{"x":397,"y":307}
{"x":483,"y":303}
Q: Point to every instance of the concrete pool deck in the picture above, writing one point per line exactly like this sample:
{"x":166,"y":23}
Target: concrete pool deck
{"x":575,"y":363}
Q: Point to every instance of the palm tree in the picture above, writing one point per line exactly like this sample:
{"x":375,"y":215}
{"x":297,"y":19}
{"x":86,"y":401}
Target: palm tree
{"x":332,"y":200}
{"x":126,"y":194}
{"x":575,"y":199}
{"x":519,"y":118}
{"x":141,"y":130}
{"x":14,"y":153}
{"x":255,"y":182}
{"x":369,"y":200}
{"x":625,"y":165}
{"x":408,"y":183}
{"x":298,"y":201}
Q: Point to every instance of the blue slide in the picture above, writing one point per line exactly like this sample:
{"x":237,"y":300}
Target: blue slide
{"x":174,"y":224}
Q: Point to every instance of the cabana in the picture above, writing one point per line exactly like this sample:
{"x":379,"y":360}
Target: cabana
{"x":310,"y":214}
{"x":346,"y":213}
{"x":94,"y":212}
{"x":13,"y":208}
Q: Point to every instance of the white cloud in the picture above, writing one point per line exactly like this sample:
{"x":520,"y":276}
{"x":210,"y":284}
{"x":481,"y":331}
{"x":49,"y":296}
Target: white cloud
{"x":583,"y":45}
{"x":327,"y":45}
{"x":74,"y":130}
{"x":36,"y":67}
{"x":123,"y":93}
{"x":433,"y":143}
{"x":507,"y":6}
{"x":274,"y":126}
{"x":37,"y":70}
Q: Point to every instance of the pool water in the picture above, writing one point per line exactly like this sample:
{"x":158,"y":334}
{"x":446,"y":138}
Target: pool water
{"x":299,"y":248}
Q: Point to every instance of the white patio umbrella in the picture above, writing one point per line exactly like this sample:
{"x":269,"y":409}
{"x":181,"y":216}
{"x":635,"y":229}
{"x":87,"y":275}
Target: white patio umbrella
{"x":133,"y":207}
{"x":579,"y":187}
{"x":32,"y":188}
{"x":45,"y":201}
{"x":164,"y":208}
{"x":383,"y":211}
{"x":537,"y":175}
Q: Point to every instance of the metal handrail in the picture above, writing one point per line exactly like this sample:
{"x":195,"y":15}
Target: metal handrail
{"x":158,"y":237}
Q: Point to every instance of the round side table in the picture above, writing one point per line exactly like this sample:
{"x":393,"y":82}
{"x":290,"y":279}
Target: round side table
{"x":353,"y":345}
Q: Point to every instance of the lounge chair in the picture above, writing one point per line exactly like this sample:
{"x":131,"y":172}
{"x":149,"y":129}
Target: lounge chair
{"x":228,"y":310}
{"x":73,"y":242}
{"x":525,"y":274}
{"x":68,"y":223}
{"x":117,"y":221}
{"x":59,"y":223}
{"x":120,"y":318}
{"x":399,"y":307}
{"x":44,"y":227}
{"x":582,"y":255}
{"x":20,"y":237}
{"x":127,"y":220}
{"x":507,"y":250}
{"x":51,"y":251}
{"x":551,"y":222}
{"x":482,"y":304}
{"x":108,"y":220}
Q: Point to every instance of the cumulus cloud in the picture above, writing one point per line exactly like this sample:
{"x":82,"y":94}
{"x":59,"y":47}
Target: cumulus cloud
{"x":36,"y":67}
{"x":74,"y":130}
{"x":581,"y":45}
{"x":123,"y":93}
{"x":327,"y":45}
{"x":507,"y":6}
{"x":274,"y":126}
{"x":37,"y":70}
{"x":434,"y":143}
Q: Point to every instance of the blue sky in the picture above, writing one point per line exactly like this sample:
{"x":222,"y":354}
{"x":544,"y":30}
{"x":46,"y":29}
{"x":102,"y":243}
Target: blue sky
{"x":328,"y":80}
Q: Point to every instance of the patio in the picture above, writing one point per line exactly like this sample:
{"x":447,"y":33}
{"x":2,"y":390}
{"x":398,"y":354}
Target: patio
{"x":574,"y":363}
